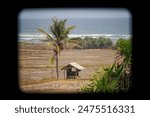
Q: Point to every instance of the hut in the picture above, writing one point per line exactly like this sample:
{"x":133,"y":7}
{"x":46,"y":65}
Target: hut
{"x":72,"y":70}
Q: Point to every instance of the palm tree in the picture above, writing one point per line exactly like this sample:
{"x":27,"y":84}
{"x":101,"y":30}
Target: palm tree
{"x":58,"y":38}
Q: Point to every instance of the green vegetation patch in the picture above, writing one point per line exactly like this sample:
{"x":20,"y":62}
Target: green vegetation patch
{"x":116,"y":77}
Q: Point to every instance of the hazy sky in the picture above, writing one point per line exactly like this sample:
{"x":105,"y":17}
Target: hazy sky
{"x":75,"y":13}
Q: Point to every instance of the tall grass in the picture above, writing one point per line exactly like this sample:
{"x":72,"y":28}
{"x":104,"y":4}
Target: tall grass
{"x":116,"y":77}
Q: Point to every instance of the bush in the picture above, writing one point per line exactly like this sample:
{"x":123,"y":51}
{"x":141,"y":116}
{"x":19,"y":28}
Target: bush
{"x":101,"y":82}
{"x":89,"y":43}
{"x":116,"y":77}
{"x":96,"y":43}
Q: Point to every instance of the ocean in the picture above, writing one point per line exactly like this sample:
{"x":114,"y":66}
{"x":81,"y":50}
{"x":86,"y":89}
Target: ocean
{"x":113,"y":28}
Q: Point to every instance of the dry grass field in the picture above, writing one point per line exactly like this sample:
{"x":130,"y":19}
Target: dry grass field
{"x":35,"y":71}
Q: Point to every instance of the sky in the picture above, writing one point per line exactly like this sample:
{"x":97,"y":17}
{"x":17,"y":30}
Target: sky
{"x":74,"y":13}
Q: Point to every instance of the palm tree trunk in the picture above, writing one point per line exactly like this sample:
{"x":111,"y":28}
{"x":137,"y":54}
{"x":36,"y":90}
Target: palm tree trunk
{"x":57,"y":71}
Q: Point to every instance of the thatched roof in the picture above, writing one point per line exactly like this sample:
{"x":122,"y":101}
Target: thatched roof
{"x":74,"y":64}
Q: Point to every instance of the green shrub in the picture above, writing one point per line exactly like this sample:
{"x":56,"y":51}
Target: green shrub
{"x":116,"y":77}
{"x":96,"y":43}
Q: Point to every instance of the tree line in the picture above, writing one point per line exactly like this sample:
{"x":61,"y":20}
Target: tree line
{"x":91,"y":43}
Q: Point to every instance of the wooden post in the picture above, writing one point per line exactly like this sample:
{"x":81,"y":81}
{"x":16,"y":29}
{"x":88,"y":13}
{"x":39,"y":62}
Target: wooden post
{"x":76,"y":72}
{"x":64,"y":73}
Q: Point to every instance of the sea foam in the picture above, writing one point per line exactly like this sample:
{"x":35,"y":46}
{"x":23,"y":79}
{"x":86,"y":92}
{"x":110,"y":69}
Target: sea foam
{"x":37,"y":37}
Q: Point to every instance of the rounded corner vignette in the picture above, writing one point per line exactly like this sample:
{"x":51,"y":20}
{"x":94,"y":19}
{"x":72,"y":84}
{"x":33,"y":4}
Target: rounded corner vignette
{"x":93,"y":33}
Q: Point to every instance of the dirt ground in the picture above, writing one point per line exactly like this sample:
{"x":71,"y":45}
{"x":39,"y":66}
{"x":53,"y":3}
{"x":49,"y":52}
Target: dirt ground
{"x":35,"y":70}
